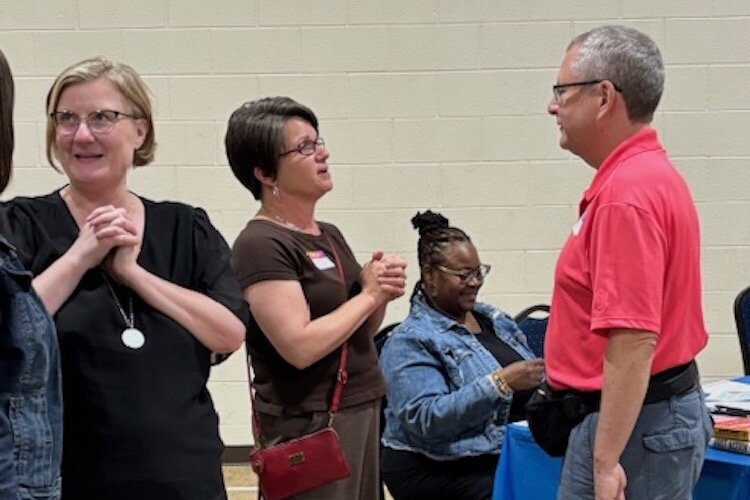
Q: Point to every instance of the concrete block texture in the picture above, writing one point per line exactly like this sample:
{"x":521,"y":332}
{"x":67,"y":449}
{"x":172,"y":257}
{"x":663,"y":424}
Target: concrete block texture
{"x":215,"y":13}
{"x":438,"y":104}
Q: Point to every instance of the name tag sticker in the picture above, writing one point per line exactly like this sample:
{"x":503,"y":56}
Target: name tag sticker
{"x":320,"y":260}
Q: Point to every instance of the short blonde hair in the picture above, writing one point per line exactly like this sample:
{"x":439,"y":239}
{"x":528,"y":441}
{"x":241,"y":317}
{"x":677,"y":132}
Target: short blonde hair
{"x":127,"y":82}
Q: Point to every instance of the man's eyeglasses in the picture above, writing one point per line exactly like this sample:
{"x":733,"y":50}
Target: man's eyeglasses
{"x":306,"y":148}
{"x":100,"y":121}
{"x":559,"y":89}
{"x":466,"y":275}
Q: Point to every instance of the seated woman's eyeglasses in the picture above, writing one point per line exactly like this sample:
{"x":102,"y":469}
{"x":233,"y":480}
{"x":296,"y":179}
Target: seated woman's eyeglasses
{"x":466,"y":275}
{"x":100,"y":121}
{"x":306,"y":148}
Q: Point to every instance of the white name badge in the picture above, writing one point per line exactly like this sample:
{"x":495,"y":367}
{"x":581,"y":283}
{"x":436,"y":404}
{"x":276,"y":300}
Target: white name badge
{"x":320,"y":260}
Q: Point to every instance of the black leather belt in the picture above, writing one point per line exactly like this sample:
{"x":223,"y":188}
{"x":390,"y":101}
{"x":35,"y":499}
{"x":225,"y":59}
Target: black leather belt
{"x":675,"y":381}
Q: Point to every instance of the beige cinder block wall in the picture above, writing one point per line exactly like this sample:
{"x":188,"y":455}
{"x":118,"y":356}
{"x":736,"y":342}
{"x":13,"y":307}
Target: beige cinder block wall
{"x":424,"y":104}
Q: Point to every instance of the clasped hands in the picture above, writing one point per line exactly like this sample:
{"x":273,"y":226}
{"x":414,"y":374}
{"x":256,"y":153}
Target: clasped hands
{"x":109,"y":236}
{"x":384,"y":276}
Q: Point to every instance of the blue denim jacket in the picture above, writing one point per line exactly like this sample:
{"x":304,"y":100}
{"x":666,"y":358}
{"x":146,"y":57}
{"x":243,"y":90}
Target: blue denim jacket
{"x":30,"y":391}
{"x":441,"y":400}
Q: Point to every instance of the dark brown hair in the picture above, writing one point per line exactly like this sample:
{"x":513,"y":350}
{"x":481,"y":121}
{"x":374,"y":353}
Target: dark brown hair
{"x":255,"y":137}
{"x":6,"y":122}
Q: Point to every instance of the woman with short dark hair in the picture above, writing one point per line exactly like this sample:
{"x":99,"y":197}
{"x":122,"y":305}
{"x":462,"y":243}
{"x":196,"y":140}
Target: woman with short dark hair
{"x":307,"y":294}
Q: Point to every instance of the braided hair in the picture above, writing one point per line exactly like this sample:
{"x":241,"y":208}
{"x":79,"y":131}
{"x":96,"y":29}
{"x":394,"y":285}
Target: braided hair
{"x":435,"y":235}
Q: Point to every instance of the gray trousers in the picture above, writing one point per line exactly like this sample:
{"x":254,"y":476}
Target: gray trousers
{"x":358,"y":428}
{"x":662,"y":459}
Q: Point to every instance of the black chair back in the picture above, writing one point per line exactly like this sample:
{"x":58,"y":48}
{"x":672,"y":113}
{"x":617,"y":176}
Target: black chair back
{"x":533,"y":322}
{"x":380,"y":339}
{"x":742,"y":318}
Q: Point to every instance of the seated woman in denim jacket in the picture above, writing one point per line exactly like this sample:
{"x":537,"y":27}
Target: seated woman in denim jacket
{"x":30,"y":392}
{"x":456,"y":370}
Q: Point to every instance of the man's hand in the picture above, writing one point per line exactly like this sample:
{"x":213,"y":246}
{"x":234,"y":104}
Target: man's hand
{"x":610,"y":484}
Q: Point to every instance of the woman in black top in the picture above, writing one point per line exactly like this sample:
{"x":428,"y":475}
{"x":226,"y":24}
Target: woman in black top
{"x":141,"y":294}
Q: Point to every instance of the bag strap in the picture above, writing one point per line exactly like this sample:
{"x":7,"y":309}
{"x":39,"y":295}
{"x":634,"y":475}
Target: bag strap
{"x":342,"y":376}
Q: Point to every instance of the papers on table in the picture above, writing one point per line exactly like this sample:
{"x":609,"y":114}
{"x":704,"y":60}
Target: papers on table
{"x":727,"y":393}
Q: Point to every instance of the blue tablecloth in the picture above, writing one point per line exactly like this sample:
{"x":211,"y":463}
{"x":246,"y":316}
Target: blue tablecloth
{"x":525,"y":471}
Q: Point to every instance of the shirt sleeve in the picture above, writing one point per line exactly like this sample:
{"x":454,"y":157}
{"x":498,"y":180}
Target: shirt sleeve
{"x":627,"y":259}
{"x":260,"y":257}
{"x":212,"y":274}
{"x":16,"y":226}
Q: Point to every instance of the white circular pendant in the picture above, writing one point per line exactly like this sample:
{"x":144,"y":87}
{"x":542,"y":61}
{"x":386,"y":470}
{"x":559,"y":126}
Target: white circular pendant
{"x":133,"y":338}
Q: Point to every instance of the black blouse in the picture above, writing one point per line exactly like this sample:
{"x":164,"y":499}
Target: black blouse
{"x":504,"y":355}
{"x":138,"y":423}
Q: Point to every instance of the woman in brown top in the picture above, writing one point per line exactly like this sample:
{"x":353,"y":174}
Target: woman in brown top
{"x":290,"y":267}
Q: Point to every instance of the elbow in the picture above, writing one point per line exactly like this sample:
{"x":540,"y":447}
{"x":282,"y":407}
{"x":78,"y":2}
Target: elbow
{"x":298,"y":357}
{"x":233,"y":338}
{"x":298,"y":360}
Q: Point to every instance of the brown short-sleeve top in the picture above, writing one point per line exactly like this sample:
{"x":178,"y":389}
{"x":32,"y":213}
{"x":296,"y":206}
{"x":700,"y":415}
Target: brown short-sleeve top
{"x":267,"y":251}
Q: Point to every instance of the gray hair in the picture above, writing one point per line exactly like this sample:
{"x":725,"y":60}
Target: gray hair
{"x":628,"y":58}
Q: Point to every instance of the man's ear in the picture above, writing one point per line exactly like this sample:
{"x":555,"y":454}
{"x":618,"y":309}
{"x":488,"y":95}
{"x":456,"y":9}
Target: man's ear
{"x":607,"y":98}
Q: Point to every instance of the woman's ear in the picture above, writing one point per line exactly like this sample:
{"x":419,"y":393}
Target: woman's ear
{"x":266,"y":180}
{"x":141,"y":131}
{"x":428,"y":278}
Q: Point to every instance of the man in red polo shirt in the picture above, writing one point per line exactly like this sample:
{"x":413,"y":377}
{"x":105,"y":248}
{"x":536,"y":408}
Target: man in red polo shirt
{"x":626,"y":316}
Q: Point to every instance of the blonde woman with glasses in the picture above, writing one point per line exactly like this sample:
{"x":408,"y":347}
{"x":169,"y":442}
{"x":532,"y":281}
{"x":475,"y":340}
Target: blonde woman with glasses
{"x":141,"y":293}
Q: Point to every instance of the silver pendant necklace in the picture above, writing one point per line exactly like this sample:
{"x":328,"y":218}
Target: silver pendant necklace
{"x":131,"y":336}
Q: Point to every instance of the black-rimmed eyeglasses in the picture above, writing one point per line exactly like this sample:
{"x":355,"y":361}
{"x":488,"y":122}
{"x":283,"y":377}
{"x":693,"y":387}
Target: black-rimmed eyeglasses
{"x":559,"y":89}
{"x":306,"y":148}
{"x":100,"y":121}
{"x":466,"y":275}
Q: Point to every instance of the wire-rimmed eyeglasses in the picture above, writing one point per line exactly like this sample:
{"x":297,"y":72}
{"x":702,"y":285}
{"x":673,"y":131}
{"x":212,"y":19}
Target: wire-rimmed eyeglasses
{"x":99,"y":121}
{"x":306,"y":148}
{"x":466,"y":275}
{"x":559,"y":89}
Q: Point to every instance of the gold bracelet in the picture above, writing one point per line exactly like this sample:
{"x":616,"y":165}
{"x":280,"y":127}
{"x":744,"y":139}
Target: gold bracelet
{"x":500,"y":384}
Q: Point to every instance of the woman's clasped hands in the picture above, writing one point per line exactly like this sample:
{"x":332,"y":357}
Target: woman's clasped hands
{"x":105,"y":229}
{"x":384,"y":277}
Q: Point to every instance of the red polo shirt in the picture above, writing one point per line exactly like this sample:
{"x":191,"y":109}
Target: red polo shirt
{"x":632,"y":261}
